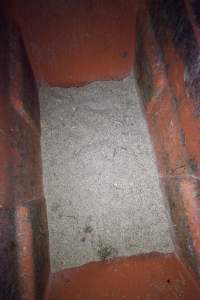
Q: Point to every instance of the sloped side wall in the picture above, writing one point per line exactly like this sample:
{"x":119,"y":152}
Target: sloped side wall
{"x":168,"y":74}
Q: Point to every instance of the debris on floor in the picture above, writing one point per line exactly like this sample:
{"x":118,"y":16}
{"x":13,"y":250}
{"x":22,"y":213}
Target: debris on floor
{"x":100,"y":176}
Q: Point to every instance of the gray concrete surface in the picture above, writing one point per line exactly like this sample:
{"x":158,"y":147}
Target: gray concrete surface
{"x":100,"y":176}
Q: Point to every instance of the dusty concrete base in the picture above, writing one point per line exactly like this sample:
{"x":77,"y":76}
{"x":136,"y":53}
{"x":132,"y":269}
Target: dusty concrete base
{"x":100,"y":176}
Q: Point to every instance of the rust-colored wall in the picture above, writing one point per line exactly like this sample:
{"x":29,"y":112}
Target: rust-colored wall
{"x":24,"y":253}
{"x":71,"y":43}
{"x":75,"y":42}
{"x":152,"y":277}
{"x":167,"y":68}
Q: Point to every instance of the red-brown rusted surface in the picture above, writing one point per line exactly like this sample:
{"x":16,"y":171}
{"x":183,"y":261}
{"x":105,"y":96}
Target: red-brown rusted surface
{"x":24,"y":258}
{"x":167,"y":70}
{"x":75,"y":42}
{"x":71,"y":43}
{"x":152,"y":277}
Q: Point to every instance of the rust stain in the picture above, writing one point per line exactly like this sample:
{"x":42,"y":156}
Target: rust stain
{"x":19,"y":107}
{"x":190,"y":190}
{"x":25,"y":254}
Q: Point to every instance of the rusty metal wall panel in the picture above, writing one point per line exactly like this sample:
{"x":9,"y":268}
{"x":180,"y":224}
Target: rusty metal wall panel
{"x":170,"y":86}
{"x":24,"y":256}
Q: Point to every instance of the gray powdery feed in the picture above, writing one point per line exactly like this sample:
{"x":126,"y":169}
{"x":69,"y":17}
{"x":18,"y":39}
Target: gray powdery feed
{"x":100,"y":176}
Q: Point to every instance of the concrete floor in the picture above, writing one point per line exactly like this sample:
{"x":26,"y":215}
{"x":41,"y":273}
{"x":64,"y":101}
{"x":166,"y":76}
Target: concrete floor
{"x":100,"y":176}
